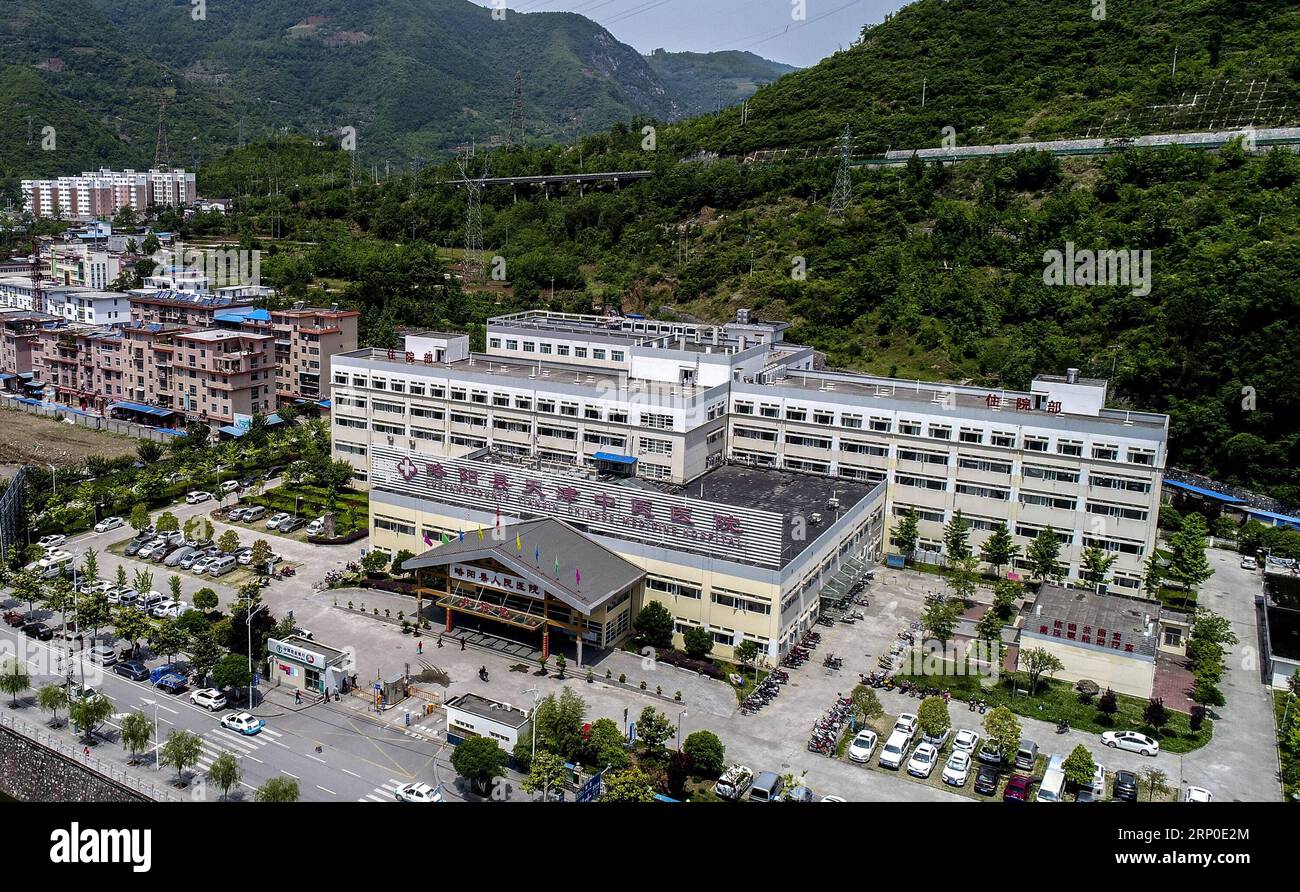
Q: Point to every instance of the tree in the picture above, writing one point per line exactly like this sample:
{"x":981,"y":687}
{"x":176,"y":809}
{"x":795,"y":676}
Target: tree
{"x":262,"y":552}
{"x":168,"y":523}
{"x":206,"y":599}
{"x":866,"y":704}
{"x":136,"y":731}
{"x":142,"y":581}
{"x":232,"y":672}
{"x":374,"y":562}
{"x":698,"y":641}
{"x":932,"y":715}
{"x":963,"y":577}
{"x":1157,"y":783}
{"x":398,"y":560}
{"x":654,"y":625}
{"x":940,"y":618}
{"x":1153,"y":576}
{"x":907,"y":534}
{"x":181,"y":750}
{"x":1188,"y":564}
{"x":139,"y":517}
{"x":168,"y":640}
{"x":229,"y":542}
{"x":205,"y":654}
{"x":224,"y":772}
{"x":989,"y":627}
{"x":27,"y":586}
{"x":547,"y":771}
{"x":149,"y":452}
{"x":999,"y":549}
{"x":1037,"y":662}
{"x":119,"y":578}
{"x":282,"y":789}
{"x":653,"y":730}
{"x":707,"y":752}
{"x":1155,"y":713}
{"x":87,"y":713}
{"x":174,"y":587}
{"x":131,"y":625}
{"x":51,"y":698}
{"x":14,"y":680}
{"x":90,"y":566}
{"x":1079,"y":766}
{"x":631,"y":785}
{"x":1003,"y":728}
{"x":1044,"y":554}
{"x":93,"y":612}
{"x":480,"y":760}
{"x":605,"y":745}
{"x":678,"y":771}
{"x":1096,"y":566}
{"x":746,"y":652}
{"x":956,"y":538}
{"x":1108,"y":705}
{"x":559,"y":722}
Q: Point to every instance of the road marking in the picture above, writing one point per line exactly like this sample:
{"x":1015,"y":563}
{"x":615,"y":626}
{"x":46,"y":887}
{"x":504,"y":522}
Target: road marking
{"x":294,"y":776}
{"x":331,"y":792}
{"x":353,"y":773}
{"x":309,"y":756}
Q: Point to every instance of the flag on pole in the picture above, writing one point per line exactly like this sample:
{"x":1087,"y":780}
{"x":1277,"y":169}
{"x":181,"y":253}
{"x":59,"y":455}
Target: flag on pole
{"x":461,"y":533}
{"x":577,"y":576}
{"x":519,"y":543}
{"x":428,"y":540}
{"x":445,"y":538}
{"x":537,"y":555}
{"x":480,"y":534}
{"x":557,"y":566}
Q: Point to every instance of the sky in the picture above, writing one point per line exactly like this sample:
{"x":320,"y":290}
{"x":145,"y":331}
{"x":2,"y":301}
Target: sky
{"x":765,"y":27}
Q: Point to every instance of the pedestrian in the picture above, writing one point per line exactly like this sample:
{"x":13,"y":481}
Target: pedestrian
{"x":419,"y":647}
{"x":85,"y":751}
{"x":297,"y":698}
{"x":440,"y":639}
{"x":462,"y":644}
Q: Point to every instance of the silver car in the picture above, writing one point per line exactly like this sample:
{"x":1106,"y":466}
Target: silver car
{"x":174,"y":559}
{"x":201,"y":565}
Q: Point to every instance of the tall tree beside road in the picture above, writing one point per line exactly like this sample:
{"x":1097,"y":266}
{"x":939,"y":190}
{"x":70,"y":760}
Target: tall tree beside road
{"x":654,"y":625}
{"x":546,"y":773}
{"x":281,"y":789}
{"x":999,"y":549}
{"x":51,"y":698}
{"x":1188,"y":564}
{"x":229,"y":542}
{"x":14,"y":680}
{"x":139,"y":518}
{"x":906,"y":534}
{"x":181,"y":750}
{"x":28,"y":587}
{"x":1079,"y":766}
{"x":707,"y":752}
{"x":559,"y":721}
{"x":963,"y":577}
{"x":1211,"y":633}
{"x":136,"y":732}
{"x":168,"y":523}
{"x":605,"y":746}
{"x":131,"y":625}
{"x":90,"y":566}
{"x":933,"y":717}
{"x":224,"y":772}
{"x":940,"y":619}
{"x":1003,"y":728}
{"x":143,"y":581}
{"x":88,"y":713}
{"x":93,"y":612}
{"x":479,"y":761}
{"x":653,"y":731}
{"x":631,"y":785}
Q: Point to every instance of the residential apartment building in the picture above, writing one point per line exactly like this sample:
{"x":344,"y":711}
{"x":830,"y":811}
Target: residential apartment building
{"x":102,"y":193}
{"x":669,"y":401}
{"x":69,"y":302}
{"x":81,"y":266}
{"x":20,"y":344}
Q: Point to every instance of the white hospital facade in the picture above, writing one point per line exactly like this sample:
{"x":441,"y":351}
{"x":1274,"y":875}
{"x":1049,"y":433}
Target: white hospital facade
{"x":668,"y":402}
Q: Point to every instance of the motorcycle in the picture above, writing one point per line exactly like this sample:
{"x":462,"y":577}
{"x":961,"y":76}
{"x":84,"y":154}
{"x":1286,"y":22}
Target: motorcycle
{"x":483,"y":674}
{"x":1062,"y":727}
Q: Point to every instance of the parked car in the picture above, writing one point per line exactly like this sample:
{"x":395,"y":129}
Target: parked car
{"x":767,"y":787}
{"x":174,"y":559}
{"x":1027,"y":755}
{"x":69,"y":632}
{"x":127,"y":597}
{"x":220,"y":566}
{"x":187,"y":561}
{"x":1197,"y":794}
{"x":1052,"y":787}
{"x":986,"y":780}
{"x":161,"y":553}
{"x":734,"y":783}
{"x":1249,"y":563}
{"x":201,"y":565}
{"x":863,"y":746}
{"x":244,"y":556}
{"x":133,"y":547}
{"x":1098,"y":788}
{"x":210,"y":699}
{"x":1126,"y":786}
{"x":924,"y":758}
{"x":236,"y":514}
{"x":254,"y":512}
{"x":149,"y":600}
{"x":147,"y":551}
{"x":966,"y":741}
{"x":937,"y":741}
{"x":15,"y":618}
{"x":293,"y":523}
{"x":956,"y":772}
{"x":39,"y":631}
{"x":132,"y":669}
{"x":799,"y":794}
{"x":316,"y":527}
{"x":418,"y":792}
{"x":230,"y":486}
{"x":894,"y":750}
{"x":109,"y":523}
{"x":273,"y":522}
{"x":990,"y":754}
{"x":159,"y":610}
{"x":906,"y":723}
{"x":242,"y":722}
{"x":103,"y":654}
{"x":178,"y":609}
{"x":196,"y":496}
{"x":172,"y":683}
{"x":51,"y":542}
{"x":1017,"y":788}
{"x":1131,"y":741}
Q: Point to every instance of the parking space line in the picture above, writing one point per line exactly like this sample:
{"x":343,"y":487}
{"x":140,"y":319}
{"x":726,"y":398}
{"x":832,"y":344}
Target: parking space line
{"x":331,"y":792}
{"x":290,"y":774}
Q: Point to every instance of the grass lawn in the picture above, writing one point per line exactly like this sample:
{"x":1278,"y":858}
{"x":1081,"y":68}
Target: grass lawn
{"x":1289,"y":758}
{"x":1058,"y":700}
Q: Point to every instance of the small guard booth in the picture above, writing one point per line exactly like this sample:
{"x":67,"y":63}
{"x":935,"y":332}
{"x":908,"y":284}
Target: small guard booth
{"x":307,"y":666}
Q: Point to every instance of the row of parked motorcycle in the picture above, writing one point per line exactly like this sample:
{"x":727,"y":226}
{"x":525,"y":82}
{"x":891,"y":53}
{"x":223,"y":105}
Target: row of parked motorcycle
{"x":827,"y":730}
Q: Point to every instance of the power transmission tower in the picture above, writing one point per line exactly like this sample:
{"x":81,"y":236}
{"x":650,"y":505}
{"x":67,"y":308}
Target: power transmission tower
{"x":843,"y":192}
{"x":162,"y":153}
{"x":472,"y":263}
{"x":516,"y":135}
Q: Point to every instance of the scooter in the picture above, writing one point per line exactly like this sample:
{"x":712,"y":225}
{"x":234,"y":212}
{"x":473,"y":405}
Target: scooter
{"x":1062,"y":727}
{"x":483,"y":674}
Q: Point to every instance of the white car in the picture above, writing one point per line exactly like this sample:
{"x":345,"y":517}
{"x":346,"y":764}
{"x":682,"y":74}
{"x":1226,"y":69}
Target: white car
{"x":159,"y":610}
{"x":863,"y":746}
{"x":242,"y":722}
{"x":923,"y":760}
{"x":48,"y":542}
{"x":178,"y":609}
{"x":230,"y":486}
{"x":418,"y":792}
{"x":957,"y":770}
{"x":273,"y":522}
{"x":1197,"y":794}
{"x":1131,"y":741}
{"x":55,"y":556}
{"x":906,"y":723}
{"x":316,"y":527}
{"x":209,"y":698}
{"x":966,"y":741}
{"x":1248,"y":563}
{"x":109,"y":523}
{"x":201,"y":565}
{"x":198,"y":495}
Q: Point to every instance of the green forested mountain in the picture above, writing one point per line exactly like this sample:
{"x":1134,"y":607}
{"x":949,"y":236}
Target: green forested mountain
{"x":706,"y":82}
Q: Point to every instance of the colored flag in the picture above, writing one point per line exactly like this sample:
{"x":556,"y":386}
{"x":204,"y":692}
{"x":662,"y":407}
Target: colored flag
{"x":519,"y":543}
{"x":445,"y":538}
{"x":537,"y":555}
{"x":461,"y":533}
{"x":577,"y":576}
{"x":428,"y":540}
{"x":480,"y":534}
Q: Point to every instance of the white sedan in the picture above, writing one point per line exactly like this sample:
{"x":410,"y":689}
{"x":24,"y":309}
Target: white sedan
{"x":923,"y":760}
{"x":966,"y":741}
{"x":242,"y":722}
{"x":109,"y":523}
{"x":957,"y":769}
{"x":1197,"y":794}
{"x":418,"y":792}
{"x":193,"y":498}
{"x":863,"y":746}
{"x":906,"y":723}
{"x":49,"y":542}
{"x":1131,"y":741}
{"x":209,"y":698}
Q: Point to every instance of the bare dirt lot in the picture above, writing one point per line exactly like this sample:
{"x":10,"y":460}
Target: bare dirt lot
{"x":31,"y":439}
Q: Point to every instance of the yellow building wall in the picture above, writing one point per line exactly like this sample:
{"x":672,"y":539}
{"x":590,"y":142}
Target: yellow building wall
{"x":1122,"y":674}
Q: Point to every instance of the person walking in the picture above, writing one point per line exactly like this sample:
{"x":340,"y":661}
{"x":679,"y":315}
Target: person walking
{"x":419,"y":647}
{"x":297,"y":698}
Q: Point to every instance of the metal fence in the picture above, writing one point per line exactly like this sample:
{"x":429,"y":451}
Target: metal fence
{"x":60,"y":745}
{"x":13,"y":508}
{"x":86,"y":420}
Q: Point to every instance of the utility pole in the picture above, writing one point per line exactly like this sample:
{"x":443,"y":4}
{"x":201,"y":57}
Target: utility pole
{"x":472,"y":263}
{"x":843,"y":192}
{"x":162,"y":154}
{"x":515,"y":136}
{"x":923,"y":85}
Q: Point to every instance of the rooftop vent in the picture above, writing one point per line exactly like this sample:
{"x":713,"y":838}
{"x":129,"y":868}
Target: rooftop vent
{"x":1071,"y":376}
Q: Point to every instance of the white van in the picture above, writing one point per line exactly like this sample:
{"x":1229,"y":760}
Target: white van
{"x":894,"y":751}
{"x":1053,"y":784}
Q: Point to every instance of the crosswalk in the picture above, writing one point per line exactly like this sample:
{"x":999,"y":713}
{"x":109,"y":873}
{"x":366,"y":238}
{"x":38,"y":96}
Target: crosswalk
{"x":220,"y":740}
{"x":386,"y":792}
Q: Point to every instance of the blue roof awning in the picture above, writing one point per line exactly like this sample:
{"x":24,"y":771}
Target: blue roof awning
{"x":1273,"y":517}
{"x":234,"y":430}
{"x":5,"y":376}
{"x":1202,"y":491}
{"x":326,"y":404}
{"x":170,"y":430}
{"x":142,"y":409}
{"x":615,"y":458}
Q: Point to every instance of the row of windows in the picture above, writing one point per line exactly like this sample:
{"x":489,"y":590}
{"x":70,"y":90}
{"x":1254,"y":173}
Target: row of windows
{"x":546,"y":348}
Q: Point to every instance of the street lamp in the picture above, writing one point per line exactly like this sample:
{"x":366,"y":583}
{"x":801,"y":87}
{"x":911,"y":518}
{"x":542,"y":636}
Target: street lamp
{"x":533,"y":718}
{"x":680,"y":716}
{"x":157,"y":766}
{"x":54,"y":481}
{"x":248,"y":621}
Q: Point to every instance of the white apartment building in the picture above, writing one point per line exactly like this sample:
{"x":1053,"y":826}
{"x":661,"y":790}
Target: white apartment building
{"x":102,"y":193}
{"x":67,"y":302}
{"x":668,"y":402}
